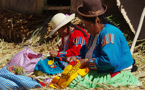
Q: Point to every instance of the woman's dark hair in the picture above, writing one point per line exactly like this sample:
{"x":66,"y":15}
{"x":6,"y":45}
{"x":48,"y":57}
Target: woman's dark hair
{"x":102,"y":18}
{"x":77,"y":28}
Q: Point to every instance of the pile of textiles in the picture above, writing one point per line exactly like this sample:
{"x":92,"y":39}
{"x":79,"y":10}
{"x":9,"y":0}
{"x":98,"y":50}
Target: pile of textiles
{"x":12,"y":81}
{"x":13,"y":75}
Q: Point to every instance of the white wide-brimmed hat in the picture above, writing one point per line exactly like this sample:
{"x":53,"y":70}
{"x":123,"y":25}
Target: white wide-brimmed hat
{"x":60,"y":20}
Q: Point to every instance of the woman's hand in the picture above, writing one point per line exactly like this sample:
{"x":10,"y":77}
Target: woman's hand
{"x":71,"y":58}
{"x":84,"y":63}
{"x":53,"y":53}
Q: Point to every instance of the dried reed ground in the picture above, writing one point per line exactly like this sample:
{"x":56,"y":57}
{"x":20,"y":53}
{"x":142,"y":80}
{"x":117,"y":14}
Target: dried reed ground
{"x":8,"y":50}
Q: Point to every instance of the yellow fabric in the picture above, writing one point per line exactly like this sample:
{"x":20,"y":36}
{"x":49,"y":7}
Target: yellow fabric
{"x":84,"y":71}
{"x":50,"y":62}
{"x":69,"y":73}
{"x":54,"y":81}
{"x":52,"y":85}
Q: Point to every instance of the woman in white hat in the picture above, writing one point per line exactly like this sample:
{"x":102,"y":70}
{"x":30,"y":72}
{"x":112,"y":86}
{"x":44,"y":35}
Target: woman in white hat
{"x":109,"y":57}
{"x":73,"y":37}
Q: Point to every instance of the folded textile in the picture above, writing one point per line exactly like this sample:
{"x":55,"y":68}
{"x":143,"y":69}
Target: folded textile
{"x":50,"y":65}
{"x":26,"y":59}
{"x":9,"y":80}
{"x":69,"y":74}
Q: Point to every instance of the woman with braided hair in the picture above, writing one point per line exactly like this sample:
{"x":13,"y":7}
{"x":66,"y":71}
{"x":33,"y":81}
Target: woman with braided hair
{"x":107,"y":53}
{"x":73,"y":38}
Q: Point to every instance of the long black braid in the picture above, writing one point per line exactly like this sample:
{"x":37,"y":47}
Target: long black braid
{"x":104,"y":20}
{"x":77,"y":28}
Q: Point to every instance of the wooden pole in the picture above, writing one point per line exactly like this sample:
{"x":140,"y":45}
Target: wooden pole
{"x":138,"y":31}
{"x":56,"y":7}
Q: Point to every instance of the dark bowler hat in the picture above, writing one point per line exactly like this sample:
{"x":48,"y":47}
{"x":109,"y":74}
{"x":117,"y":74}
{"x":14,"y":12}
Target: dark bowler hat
{"x":91,"y":8}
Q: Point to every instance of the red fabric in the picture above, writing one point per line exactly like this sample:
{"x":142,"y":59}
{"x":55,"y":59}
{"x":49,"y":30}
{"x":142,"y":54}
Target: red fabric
{"x":74,"y":50}
{"x":114,"y":74}
{"x":59,"y":57}
{"x":53,"y":66}
{"x":42,"y":84}
{"x":73,"y":63}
